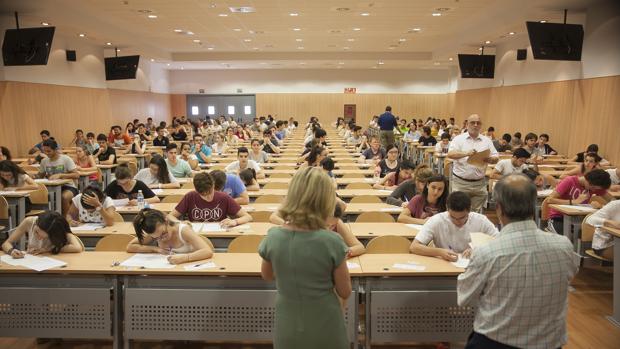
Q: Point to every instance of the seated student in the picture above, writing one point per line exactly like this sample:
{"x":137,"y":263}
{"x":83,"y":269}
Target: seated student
{"x":143,"y":133}
{"x":106,"y":155}
{"x":516,"y":141}
{"x":408,"y":189}
{"x":516,"y":164}
{"x":541,"y":181}
{"x":257,"y":154}
{"x":327,"y":164}
{"x":374,"y":153}
{"x":543,"y":146}
{"x":232,"y":185}
{"x":91,"y":143}
{"x":179,"y":134}
{"x":117,"y":137}
{"x":402,"y":126}
{"x":575,"y":190}
{"x":502,"y":145}
{"x":205,"y":204}
{"x":78,"y":140}
{"x":450,"y":230}
{"x":608,"y":216}
{"x":389,"y":164}
{"x":412,"y":133}
{"x":591,"y":161}
{"x":59,"y":166}
{"x":431,"y":201}
{"x":130,"y":129}
{"x":125,"y":187}
{"x":13,"y":177}
{"x":5,"y":154}
{"x":138,"y":146}
{"x":37,"y":148}
{"x":91,"y":206}
{"x":219,"y":145}
{"x":157,"y":174}
{"x":491,"y":133}
{"x":426,"y":139}
{"x":161,"y":140}
{"x":536,"y":154}
{"x":315,"y":156}
{"x":580,"y":157}
{"x":248,"y":177}
{"x":177,"y":166}
{"x":393,"y":179}
{"x":187,"y":155}
{"x":84,"y":161}
{"x":443,"y":145}
{"x":356,"y":136}
{"x":614,"y":174}
{"x":320,"y":135}
{"x":47,"y":233}
{"x":241,"y":134}
{"x":201,"y":150}
{"x":243,"y":162}
{"x":156,"y":234}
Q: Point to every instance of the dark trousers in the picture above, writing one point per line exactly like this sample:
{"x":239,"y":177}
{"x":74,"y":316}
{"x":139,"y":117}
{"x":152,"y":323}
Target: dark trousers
{"x":480,"y":341}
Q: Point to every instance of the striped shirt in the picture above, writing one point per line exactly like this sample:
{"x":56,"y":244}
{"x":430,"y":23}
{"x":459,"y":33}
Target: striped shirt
{"x":519,"y":284}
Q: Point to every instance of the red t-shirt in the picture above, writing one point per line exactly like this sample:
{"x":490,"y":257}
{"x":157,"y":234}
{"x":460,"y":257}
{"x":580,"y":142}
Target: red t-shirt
{"x":570,"y":188}
{"x":199,"y":210}
{"x":419,"y":210}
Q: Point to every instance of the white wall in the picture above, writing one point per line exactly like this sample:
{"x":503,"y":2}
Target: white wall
{"x":309,"y":81}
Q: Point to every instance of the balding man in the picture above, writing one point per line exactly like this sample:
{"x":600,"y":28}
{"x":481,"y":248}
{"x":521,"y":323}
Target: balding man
{"x":519,"y":281}
{"x":468,"y":178}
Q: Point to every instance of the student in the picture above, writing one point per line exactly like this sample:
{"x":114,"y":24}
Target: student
{"x":402,"y":126}
{"x":516,"y":164}
{"x":374,"y":153}
{"x":491,"y":133}
{"x":543,"y":145}
{"x":502,"y":145}
{"x":117,"y":137}
{"x":219,"y":145}
{"x":516,"y":140}
{"x":205,"y":204}
{"x":412,"y":134}
{"x":311,"y":264}
{"x":258,"y":154}
{"x":143,"y":133}
{"x":575,"y":190}
{"x":130,"y":129}
{"x":157,"y":174}
{"x":156,"y":234}
{"x":78,"y":140}
{"x":179,"y":134}
{"x":315,"y":156}
{"x":427,"y":139}
{"x":150,"y":125}
{"x":591,"y":161}
{"x":106,"y":155}
{"x":614,"y":175}
{"x":356,"y":136}
{"x":431,"y":201}
{"x":443,"y":145}
{"x":408,"y":189}
{"x":328,"y":165}
{"x":241,"y":134}
{"x":536,"y":154}
{"x":38,"y":148}
{"x":138,"y":146}
{"x":84,"y":161}
{"x":187,"y":155}
{"x":232,"y":185}
{"x":125,"y":187}
{"x":48,"y":233}
{"x":542,"y":181}
{"x":179,"y":168}
{"x":389,"y":164}
{"x":580,"y":157}
{"x":5,"y":154}
{"x":450,"y":230}
{"x":248,"y":177}
{"x":91,"y":206}
{"x":393,"y":179}
{"x":59,"y":166}
{"x":91,"y":143}
{"x":608,"y":216}
{"x":201,"y":150}
{"x":243,"y":162}
{"x":13,"y":177}
{"x":161,"y":140}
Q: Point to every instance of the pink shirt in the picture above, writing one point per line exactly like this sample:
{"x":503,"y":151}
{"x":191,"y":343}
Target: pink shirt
{"x":570,"y":188}
{"x":419,"y":210}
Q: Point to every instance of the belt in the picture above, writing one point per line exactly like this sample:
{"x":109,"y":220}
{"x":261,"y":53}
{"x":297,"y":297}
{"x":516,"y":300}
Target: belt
{"x":467,"y":180}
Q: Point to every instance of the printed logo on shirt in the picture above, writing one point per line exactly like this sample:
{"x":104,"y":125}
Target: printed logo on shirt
{"x":50,"y":170}
{"x":206,"y":214}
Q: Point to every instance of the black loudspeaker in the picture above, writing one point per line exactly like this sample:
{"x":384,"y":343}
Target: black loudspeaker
{"x":521,"y":55}
{"x":71,"y":56}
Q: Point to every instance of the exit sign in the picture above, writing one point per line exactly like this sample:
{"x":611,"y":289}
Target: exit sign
{"x":350,"y":90}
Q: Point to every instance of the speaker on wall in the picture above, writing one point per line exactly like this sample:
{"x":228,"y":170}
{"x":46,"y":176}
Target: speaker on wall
{"x":71,"y":56}
{"x":521,"y":54}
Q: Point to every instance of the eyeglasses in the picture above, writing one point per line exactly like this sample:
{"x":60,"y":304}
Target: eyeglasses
{"x":475,"y":122}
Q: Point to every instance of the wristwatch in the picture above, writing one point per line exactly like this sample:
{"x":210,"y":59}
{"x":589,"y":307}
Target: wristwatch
{"x":98,"y":208}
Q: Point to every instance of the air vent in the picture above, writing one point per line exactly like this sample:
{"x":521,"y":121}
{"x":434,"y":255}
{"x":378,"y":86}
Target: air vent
{"x":242,"y":9}
{"x":442,"y":9}
{"x":269,"y":46}
{"x":343,"y":9}
{"x":335,"y":31}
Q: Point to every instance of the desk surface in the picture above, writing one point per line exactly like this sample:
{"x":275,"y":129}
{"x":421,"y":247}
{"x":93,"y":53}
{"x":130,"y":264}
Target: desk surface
{"x":572,"y":211}
{"x":382,"y":265}
{"x":612,"y":231}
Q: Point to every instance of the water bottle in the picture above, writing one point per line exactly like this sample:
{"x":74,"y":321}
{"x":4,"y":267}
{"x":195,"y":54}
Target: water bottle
{"x":140,"y":200}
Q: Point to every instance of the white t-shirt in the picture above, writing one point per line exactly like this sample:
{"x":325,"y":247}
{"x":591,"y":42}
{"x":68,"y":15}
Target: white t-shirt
{"x":233,"y":167}
{"x":90,"y":217}
{"x":440,"y":229}
{"x":614,"y":176}
{"x":219,"y":149}
{"x":465,"y":143}
{"x":262,"y":158}
{"x":505,"y":167}
{"x":439,"y":147}
{"x":601,"y":239}
{"x":145,"y":176}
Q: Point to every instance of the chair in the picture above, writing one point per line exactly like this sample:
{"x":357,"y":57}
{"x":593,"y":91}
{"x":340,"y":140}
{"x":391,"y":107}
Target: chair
{"x":245,"y":244}
{"x":40,"y":197}
{"x":544,"y":209}
{"x":353,"y":175}
{"x":366,"y":199}
{"x":276,"y":186}
{"x":587,"y":233}
{"x":358,"y":186}
{"x":188,"y":185}
{"x":388,"y":244}
{"x":118,"y":217}
{"x":280,"y":175}
{"x":269,"y":199}
{"x":375,"y":217}
{"x":172,"y":199}
{"x":260,"y":216}
{"x":114,"y":242}
{"x":133,"y":167}
{"x":4,"y":213}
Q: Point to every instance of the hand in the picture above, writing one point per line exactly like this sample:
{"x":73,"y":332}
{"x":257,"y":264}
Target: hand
{"x":160,"y":250}
{"x":580,"y":199}
{"x":596,"y":204}
{"x":227,"y":223}
{"x":178,"y":258}
{"x":448,"y":255}
{"x":467,"y":253}
{"x":74,"y":223}
{"x":404,"y":204}
{"x":92,"y":200}
{"x":37,"y":251}
{"x":133,"y":202}
{"x":471,"y":152}
{"x":17,"y":254}
{"x":55,"y":176}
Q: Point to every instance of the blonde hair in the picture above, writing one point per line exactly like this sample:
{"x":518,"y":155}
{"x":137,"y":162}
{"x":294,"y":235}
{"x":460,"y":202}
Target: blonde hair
{"x":422,"y":173}
{"x":310,"y":200}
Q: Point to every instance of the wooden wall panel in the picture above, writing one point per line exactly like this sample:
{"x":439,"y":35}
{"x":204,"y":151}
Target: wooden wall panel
{"x":178,"y":105}
{"x":127,"y":105}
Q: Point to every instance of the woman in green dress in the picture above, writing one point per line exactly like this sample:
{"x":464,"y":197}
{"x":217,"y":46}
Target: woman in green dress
{"x":309,"y":265}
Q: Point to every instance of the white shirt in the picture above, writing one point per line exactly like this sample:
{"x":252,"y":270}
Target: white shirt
{"x":611,"y":211}
{"x":217,"y":149}
{"x":505,"y":167}
{"x":465,"y":143}
{"x":234,"y":167}
{"x":145,"y":176}
{"x":614,"y":176}
{"x":440,"y":229}
{"x":440,"y":146}
{"x":90,"y":217}
{"x":518,"y":284}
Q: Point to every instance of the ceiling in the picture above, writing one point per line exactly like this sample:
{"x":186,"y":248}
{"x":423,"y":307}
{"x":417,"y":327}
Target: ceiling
{"x":349,"y":34}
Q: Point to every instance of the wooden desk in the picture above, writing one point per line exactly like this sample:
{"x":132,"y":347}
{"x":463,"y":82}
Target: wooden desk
{"x":54,"y":188}
{"x":615,"y":315}
{"x":572,"y":223}
{"x":106,"y":174}
{"x":351,"y":193}
{"x":17,"y":205}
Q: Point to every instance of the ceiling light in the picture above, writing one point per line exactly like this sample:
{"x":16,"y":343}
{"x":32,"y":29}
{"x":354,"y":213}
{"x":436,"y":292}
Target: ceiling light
{"x":242,"y":9}
{"x":108,"y":43}
{"x":237,"y":29}
{"x":299,"y":40}
{"x":302,"y":63}
{"x":296,"y":29}
{"x":182,"y":68}
{"x":196,"y":40}
{"x":346,"y":48}
{"x":511,"y":33}
{"x":450,"y":59}
{"x":357,"y":29}
{"x":417,"y":29}
{"x":45,"y":24}
{"x":543,"y":21}
{"x":223,"y":15}
{"x":118,"y":50}
{"x":209,"y":48}
{"x":402,"y":39}
{"x":300,"y":47}
{"x":247,"y":40}
{"x":350,"y":40}
{"x":178,"y":30}
{"x":168,"y":64}
{"x":293,"y":14}
{"x":380,"y":63}
{"x":436,"y":63}
{"x":152,"y":60}
{"x":152,"y":16}
{"x":190,"y":33}
{"x":436,"y":14}
{"x":341,"y":63}
{"x":479,"y":48}
{"x":365,"y":14}
{"x":145,"y":11}
{"x":487,"y":42}
{"x":82,"y":35}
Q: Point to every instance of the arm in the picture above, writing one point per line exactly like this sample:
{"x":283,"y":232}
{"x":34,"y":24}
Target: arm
{"x":73,"y":174}
{"x":202,"y":250}
{"x":266,"y":271}
{"x":496,"y":174}
{"x":276,"y":219}
{"x":470,"y":284}
{"x":29,"y":184}
{"x":72,"y":216}
{"x":423,"y":250}
{"x":153,"y":200}
{"x":109,"y":161}
{"x":205,"y":158}
{"x":406,"y":217}
{"x":572,"y":172}
{"x":253,"y":187}
{"x":242,"y":217}
{"x":108,"y":216}
{"x":342,"y":280}
{"x":356,"y":248}
{"x":174,"y":216}
{"x":243,"y":199}
{"x":171,"y":185}
{"x":74,"y":245}
{"x":16,"y":236}
{"x":135,"y":246}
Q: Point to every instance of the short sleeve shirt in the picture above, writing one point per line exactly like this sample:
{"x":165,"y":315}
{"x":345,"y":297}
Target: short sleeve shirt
{"x":440,"y":229}
{"x":105,"y":155}
{"x":505,"y":167}
{"x":234,"y":186}
{"x":147,"y":177}
{"x":63,"y":164}
{"x":369,"y":154}
{"x":199,"y":210}
{"x":116,"y":192}
{"x":419,"y":209}
{"x":90,"y":217}
{"x":570,"y":189}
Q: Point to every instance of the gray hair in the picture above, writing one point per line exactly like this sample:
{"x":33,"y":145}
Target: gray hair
{"x":516,"y":194}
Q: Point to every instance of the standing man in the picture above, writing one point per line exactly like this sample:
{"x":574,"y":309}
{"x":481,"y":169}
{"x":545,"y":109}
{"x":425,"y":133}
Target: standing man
{"x":386,"y":123}
{"x":469,"y":178}
{"x":519,"y":281}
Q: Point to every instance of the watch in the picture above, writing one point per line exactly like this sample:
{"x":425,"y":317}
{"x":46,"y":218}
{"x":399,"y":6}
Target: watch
{"x":98,"y":208}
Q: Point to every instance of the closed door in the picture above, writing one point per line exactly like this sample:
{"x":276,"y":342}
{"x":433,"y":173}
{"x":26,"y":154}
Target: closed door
{"x":241,"y":107}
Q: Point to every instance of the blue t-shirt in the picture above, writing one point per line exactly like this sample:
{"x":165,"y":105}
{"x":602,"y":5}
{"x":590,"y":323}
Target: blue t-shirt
{"x":204,"y":149}
{"x":280,"y":135}
{"x":234,"y":186}
{"x":387,"y":122}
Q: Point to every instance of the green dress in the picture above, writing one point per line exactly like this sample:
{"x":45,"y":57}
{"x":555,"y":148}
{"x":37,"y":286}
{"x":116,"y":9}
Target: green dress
{"x":308,"y":312}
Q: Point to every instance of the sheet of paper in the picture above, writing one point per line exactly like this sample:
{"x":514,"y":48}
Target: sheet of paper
{"x":148,"y":260}
{"x":33,"y":262}
{"x":461,"y":262}
{"x":120,"y":202}
{"x":478,"y":158}
{"x":352,"y":265}
{"x":7,"y":192}
{"x":370,"y":180}
{"x":384,"y":191}
{"x":415,"y":226}
{"x":88,"y":227}
{"x":40,"y":180}
{"x":545,"y":192}
{"x":390,"y":209}
{"x":157,"y":191}
{"x":578,"y":208}
{"x":200,"y":266}
{"x":407,"y":266}
{"x":197,"y":227}
{"x":212,"y":227}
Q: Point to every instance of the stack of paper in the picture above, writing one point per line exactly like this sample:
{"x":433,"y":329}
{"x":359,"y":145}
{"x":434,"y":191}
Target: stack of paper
{"x":87,"y":227}
{"x":7,"y":192}
{"x":409,"y":266}
{"x":586,"y":208}
{"x":545,"y":192}
{"x":157,"y":191}
{"x":120,"y":202}
{"x":352,"y":265}
{"x":461,"y":262}
{"x":33,"y":262}
{"x":148,"y":260}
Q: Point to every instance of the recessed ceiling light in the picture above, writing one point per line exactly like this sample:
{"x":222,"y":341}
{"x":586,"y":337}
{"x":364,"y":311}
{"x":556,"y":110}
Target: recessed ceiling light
{"x":196,"y":40}
{"x":346,"y":48}
{"x":45,"y":24}
{"x":380,"y":63}
{"x":108,"y":43}
{"x":152,"y":16}
{"x":341,"y":63}
{"x":357,"y":29}
{"x":302,"y":63}
{"x":299,"y":40}
{"x":118,"y":50}
{"x":350,"y":40}
{"x":436,"y":63}
{"x":511,"y":33}
{"x":190,"y":33}
{"x":293,"y":14}
{"x":417,"y":29}
{"x":209,"y":48}
{"x":237,"y":29}
{"x":242,"y":9}
{"x":436,"y":14}
{"x":479,"y":48}
{"x":300,"y":47}
{"x":402,"y":39}
{"x":543,"y":21}
{"x":223,"y":15}
{"x":168,"y":64}
{"x":182,"y":68}
{"x":178,"y":30}
{"x":247,"y":40}
{"x":296,"y":29}
{"x":487,"y":42}
{"x":450,"y":59}
{"x":365,"y":14}
{"x":152,"y":60}
{"x":82,"y":35}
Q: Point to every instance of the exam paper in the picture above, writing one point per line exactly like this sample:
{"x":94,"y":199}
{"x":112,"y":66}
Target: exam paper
{"x":33,"y":262}
{"x":148,"y":260}
{"x":352,"y":265}
{"x":87,"y":227}
{"x":415,"y":226}
{"x":545,"y":192}
{"x":409,"y":266}
{"x":7,"y":192}
{"x":200,"y":266}
{"x":579,"y":208}
{"x":157,"y":191}
{"x":461,"y":262}
{"x":212,"y":227}
{"x":120,"y":202}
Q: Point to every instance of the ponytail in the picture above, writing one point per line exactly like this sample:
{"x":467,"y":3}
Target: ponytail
{"x":146,"y":221}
